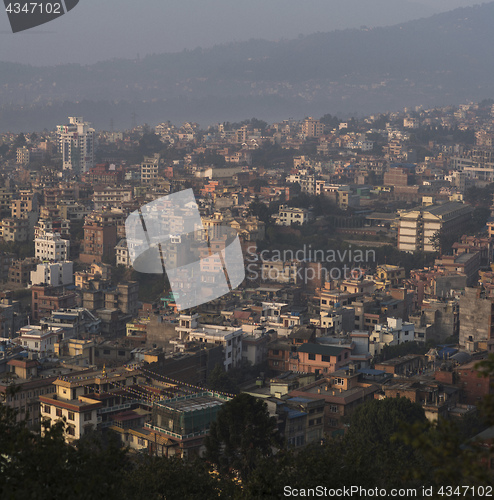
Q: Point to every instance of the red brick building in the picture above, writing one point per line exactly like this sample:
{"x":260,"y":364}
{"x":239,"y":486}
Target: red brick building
{"x":99,"y":242}
{"x":472,"y":384}
{"x":46,"y":299}
{"x":307,"y":357}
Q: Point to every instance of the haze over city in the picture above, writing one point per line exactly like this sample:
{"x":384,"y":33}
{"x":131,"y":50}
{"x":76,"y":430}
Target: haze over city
{"x":97,"y":31}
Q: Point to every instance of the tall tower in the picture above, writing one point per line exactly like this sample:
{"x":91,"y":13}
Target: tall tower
{"x":76,"y":143}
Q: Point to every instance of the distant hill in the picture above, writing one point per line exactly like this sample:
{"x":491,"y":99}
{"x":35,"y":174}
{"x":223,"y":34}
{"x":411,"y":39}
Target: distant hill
{"x":444,"y":59}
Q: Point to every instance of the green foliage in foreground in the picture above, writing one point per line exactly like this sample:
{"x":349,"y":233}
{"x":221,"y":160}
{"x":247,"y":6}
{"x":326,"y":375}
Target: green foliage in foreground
{"x":388,"y":444}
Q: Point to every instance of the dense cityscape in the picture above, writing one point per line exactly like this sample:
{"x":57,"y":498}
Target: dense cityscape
{"x":246,"y":252}
{"x":369,"y":260}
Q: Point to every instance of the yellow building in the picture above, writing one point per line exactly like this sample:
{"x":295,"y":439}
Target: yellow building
{"x":389,"y":276}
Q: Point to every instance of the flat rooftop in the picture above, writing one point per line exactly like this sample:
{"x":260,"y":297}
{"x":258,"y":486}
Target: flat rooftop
{"x":191,"y":403}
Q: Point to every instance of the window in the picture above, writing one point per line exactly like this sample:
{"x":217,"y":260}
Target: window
{"x":87,"y":416}
{"x":326,"y":359}
{"x":71,"y":415}
{"x":47,"y":409}
{"x":333,"y":408}
{"x":58,"y":411}
{"x":312,"y":357}
{"x":71,"y":430}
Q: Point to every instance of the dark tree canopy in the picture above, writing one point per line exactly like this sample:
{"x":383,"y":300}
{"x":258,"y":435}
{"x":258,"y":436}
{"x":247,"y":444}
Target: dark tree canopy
{"x":242,"y":434}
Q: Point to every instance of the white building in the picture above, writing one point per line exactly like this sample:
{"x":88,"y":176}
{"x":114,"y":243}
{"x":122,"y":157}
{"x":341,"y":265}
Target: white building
{"x":418,"y":227}
{"x":395,"y":332}
{"x":273,"y":311}
{"x":39,"y":339}
{"x":52,"y":247}
{"x":122,"y":253}
{"x":80,"y":414}
{"x":291,"y":215}
{"x":76,"y":142}
{"x":45,"y":226}
{"x":53,"y":274}
{"x":111,"y":197}
{"x":150,"y":168}
{"x":228,"y":337}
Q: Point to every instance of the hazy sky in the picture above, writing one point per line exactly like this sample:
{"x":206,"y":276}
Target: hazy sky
{"x":98,"y":30}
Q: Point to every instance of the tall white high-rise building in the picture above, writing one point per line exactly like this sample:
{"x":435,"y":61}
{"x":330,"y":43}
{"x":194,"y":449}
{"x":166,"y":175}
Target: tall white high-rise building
{"x":76,"y":142}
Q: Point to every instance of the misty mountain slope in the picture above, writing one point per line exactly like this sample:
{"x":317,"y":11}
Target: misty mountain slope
{"x":442,"y":59}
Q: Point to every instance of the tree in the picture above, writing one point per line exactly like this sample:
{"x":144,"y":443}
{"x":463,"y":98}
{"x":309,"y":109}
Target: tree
{"x":374,"y":432}
{"x":149,"y":144}
{"x":330,"y":121}
{"x":242,"y":434}
{"x":260,"y":210}
{"x":45,"y":467}
{"x":220,"y":381}
{"x":176,"y":479}
{"x":257,"y":184}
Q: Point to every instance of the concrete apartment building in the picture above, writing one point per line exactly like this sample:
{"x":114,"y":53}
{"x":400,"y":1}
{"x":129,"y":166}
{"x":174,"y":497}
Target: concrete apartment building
{"x":150,"y":169}
{"x":87,"y":403}
{"x":99,"y":242}
{"x":20,"y":271}
{"x":288,"y":216}
{"x":52,"y":225}
{"x":25,"y":203}
{"x":22,"y":155}
{"x":76,"y":142}
{"x":395,"y":332}
{"x":229,"y":338}
{"x":111,"y":197}
{"x":53,"y":274}
{"x":312,"y":128}
{"x":23,"y":375}
{"x":418,"y":226}
{"x":46,"y":299}
{"x":15,"y":230}
{"x":52,"y":247}
{"x":476,"y":318}
{"x":185,"y":421}
{"x":81,"y":414}
{"x":122,"y":253}
{"x":41,"y":339}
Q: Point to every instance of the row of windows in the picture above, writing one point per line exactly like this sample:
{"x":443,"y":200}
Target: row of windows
{"x":30,"y":394}
{"x":325,"y":358}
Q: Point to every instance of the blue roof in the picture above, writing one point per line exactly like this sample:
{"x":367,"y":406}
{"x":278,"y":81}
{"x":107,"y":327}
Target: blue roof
{"x":294,"y":413}
{"x":301,"y":400}
{"x":446,"y":352}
